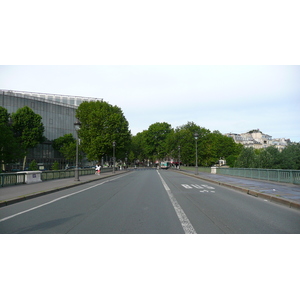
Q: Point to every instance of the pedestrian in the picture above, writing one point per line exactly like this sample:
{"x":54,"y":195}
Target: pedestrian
{"x":97,"y":169}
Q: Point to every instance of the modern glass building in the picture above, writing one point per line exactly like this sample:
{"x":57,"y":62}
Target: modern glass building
{"x":58,"y":117}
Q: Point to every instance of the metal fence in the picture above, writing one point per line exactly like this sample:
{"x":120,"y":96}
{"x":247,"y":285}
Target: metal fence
{"x":49,"y":175}
{"x":200,"y":169}
{"x":12,"y":179}
{"x":287,"y":176}
{"x":7,"y":179}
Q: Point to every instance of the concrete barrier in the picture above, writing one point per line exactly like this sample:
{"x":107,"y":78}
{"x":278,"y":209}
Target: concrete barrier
{"x":32,"y":176}
{"x":213,"y":170}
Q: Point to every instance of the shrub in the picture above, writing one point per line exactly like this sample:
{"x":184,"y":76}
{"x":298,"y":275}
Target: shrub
{"x":33,"y":166}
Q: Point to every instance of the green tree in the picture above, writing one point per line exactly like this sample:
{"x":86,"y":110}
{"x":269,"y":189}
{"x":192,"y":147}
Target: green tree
{"x":10,"y":150}
{"x":28,"y":129}
{"x":138,"y":146}
{"x":155,"y":140}
{"x":246,"y":159}
{"x":231,"y":160}
{"x":290,"y":157}
{"x":101,"y":124}
{"x":66,"y":145}
{"x":262,"y":158}
{"x":55,"y":166}
{"x":33,"y":166}
{"x":276,"y":158}
{"x":225,"y":146}
{"x":184,"y":137}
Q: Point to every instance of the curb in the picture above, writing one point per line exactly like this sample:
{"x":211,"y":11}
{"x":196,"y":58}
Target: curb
{"x":270,"y":198}
{"x":42,"y":193}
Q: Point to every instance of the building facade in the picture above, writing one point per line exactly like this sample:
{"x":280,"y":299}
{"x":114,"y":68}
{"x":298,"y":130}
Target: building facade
{"x":58,"y":117}
{"x":258,"y":140}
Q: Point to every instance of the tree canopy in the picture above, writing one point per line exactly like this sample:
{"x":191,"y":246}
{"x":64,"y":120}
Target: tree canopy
{"x":9,"y":148}
{"x":101,"y":125}
{"x":155,"y":140}
{"x":28,"y":127}
{"x":162,"y":142}
{"x":270,"y":158}
{"x":66,"y":145}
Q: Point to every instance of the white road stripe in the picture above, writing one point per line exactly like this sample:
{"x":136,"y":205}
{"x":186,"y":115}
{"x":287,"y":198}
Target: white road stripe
{"x":57,"y":199}
{"x":186,"y":186}
{"x":197,"y":186}
{"x":185,"y":222}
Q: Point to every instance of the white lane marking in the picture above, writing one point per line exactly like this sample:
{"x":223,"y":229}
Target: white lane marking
{"x":197,"y":186}
{"x":60,"y":198}
{"x":185,"y":222}
{"x":186,"y":186}
{"x":208,"y":187}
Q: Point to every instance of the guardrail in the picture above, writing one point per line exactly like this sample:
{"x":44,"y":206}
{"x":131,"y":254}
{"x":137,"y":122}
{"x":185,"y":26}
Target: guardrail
{"x":49,"y":175}
{"x":12,"y":179}
{"x":7,"y":179}
{"x":286,"y":176}
{"x":200,"y":169}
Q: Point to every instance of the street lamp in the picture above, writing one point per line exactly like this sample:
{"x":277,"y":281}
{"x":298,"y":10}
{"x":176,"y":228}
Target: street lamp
{"x":179,"y":156}
{"x":77,"y":125}
{"x":114,"y":161}
{"x":196,"y":138}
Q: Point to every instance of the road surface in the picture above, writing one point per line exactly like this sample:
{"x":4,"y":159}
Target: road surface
{"x":149,"y":201}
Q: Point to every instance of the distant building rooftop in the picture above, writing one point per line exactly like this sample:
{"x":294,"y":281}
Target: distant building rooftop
{"x":65,"y":99}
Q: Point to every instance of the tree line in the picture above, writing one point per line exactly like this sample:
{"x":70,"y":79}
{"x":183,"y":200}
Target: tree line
{"x":270,"y":158}
{"x":104,"y":125}
{"x":20,"y":131}
{"x":162,"y":142}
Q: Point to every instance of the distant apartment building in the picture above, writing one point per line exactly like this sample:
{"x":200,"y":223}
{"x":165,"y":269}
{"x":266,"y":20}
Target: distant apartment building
{"x":257,"y":140}
{"x":58,"y":117}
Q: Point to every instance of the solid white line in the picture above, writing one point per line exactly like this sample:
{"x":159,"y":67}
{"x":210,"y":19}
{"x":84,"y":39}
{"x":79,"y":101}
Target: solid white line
{"x":57,"y":199}
{"x":185,"y":222}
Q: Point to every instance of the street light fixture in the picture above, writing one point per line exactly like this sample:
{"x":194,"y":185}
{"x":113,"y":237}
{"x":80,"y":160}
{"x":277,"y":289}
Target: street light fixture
{"x":196,"y":135}
{"x":77,"y":125}
{"x":114,"y":159}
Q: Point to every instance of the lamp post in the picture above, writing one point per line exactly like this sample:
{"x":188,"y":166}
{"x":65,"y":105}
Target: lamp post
{"x":114,"y":161}
{"x":196,"y":138}
{"x":77,"y":125}
{"x":179,"y":156}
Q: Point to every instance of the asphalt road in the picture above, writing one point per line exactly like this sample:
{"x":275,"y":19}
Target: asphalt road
{"x":149,"y":201}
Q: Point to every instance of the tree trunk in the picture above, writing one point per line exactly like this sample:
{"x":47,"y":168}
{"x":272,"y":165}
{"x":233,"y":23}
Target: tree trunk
{"x":24,"y":162}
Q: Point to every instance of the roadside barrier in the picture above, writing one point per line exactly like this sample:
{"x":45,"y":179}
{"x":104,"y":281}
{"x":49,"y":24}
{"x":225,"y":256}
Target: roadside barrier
{"x":12,"y":179}
{"x":8,"y":179}
{"x":286,"y":176}
{"x":278,"y":175}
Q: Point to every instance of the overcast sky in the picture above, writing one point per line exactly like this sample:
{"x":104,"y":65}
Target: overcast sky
{"x":225,"y":98}
{"x":231,"y":66}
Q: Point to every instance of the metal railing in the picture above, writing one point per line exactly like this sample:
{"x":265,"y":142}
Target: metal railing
{"x":200,"y":169}
{"x":8,"y":179}
{"x":49,"y":175}
{"x":286,"y":176}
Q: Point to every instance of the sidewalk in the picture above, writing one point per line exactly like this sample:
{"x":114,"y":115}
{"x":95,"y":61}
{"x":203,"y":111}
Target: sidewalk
{"x":284,"y":193}
{"x":21,"y":192}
